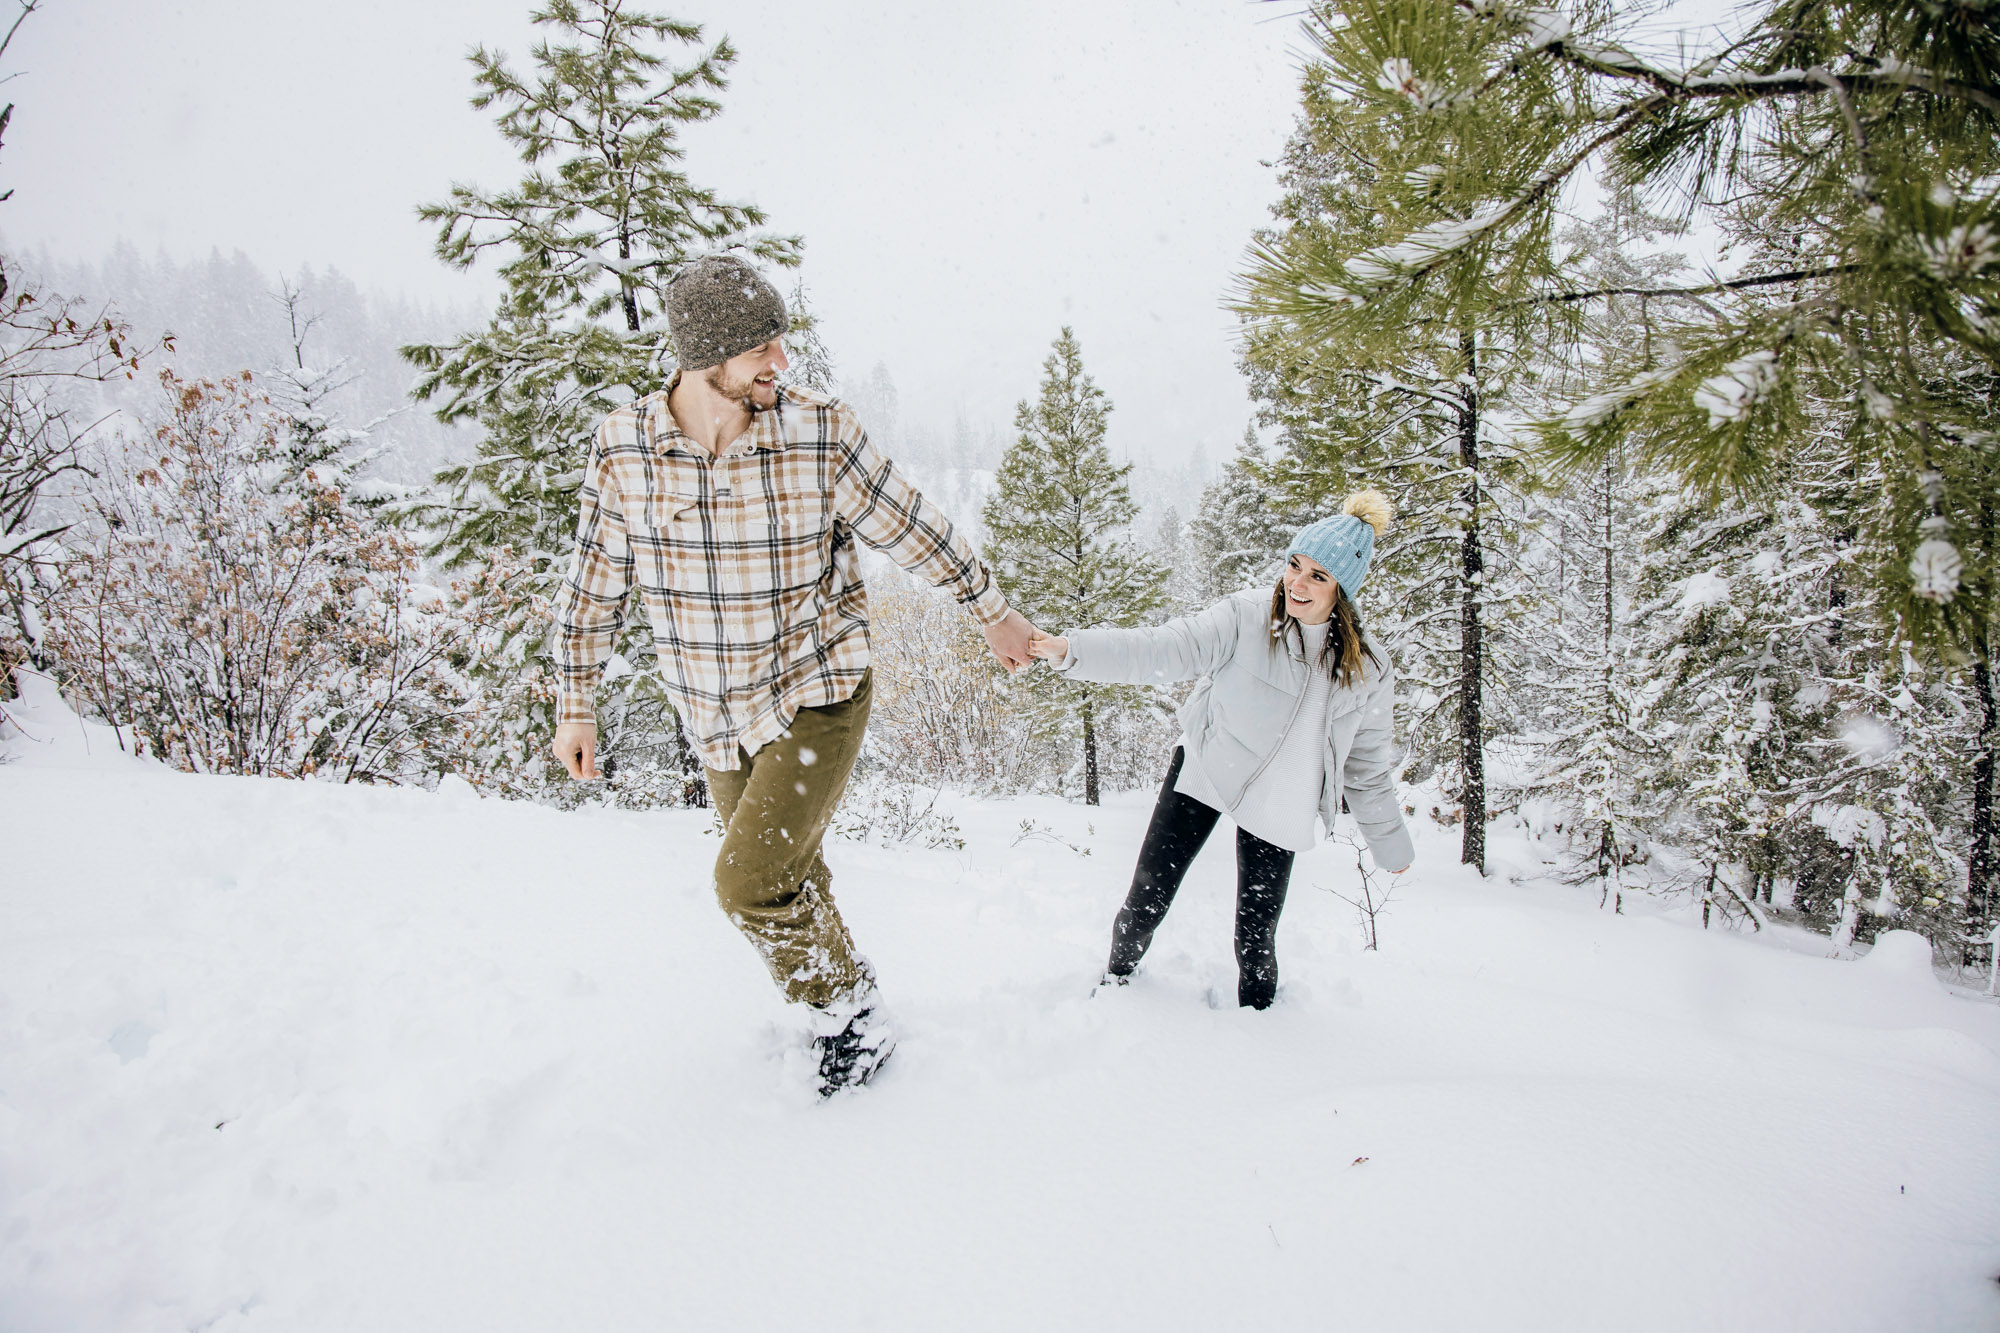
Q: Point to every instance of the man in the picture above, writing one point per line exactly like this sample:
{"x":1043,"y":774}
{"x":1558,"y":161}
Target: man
{"x":734,"y":505}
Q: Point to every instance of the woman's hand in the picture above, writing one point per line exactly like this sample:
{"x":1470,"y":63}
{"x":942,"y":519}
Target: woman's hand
{"x":1051,"y":648}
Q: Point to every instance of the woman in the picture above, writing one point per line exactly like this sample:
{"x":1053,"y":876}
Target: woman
{"x":1292,"y":715}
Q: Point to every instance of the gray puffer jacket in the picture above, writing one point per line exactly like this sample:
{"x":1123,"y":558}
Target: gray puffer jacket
{"x":1251,"y":690}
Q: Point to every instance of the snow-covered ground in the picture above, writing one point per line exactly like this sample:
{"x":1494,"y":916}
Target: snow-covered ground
{"x":298,"y":1057}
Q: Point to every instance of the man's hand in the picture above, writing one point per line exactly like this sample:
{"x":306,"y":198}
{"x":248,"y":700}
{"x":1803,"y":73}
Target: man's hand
{"x":576,"y":746}
{"x":1009,"y":640}
{"x":1051,"y":648}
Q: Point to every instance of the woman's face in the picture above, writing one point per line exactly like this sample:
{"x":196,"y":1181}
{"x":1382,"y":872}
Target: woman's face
{"x":1309,"y":590}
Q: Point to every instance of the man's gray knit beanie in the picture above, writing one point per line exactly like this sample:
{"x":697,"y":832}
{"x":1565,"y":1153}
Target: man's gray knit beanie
{"x":720,"y":307}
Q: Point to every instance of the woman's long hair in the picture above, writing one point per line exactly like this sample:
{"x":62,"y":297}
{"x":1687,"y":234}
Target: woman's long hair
{"x":1346,"y":644}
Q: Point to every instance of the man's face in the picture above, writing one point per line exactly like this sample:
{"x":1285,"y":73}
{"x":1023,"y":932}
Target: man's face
{"x":750,"y":378}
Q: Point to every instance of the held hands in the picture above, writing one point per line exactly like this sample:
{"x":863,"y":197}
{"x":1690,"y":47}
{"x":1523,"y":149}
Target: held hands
{"x":1051,"y":648}
{"x":1017,"y":643}
{"x":1009,"y":640}
{"x":576,"y":746}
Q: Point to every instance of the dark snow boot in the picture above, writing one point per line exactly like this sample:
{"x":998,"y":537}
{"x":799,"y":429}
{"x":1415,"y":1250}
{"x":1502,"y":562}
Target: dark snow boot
{"x":854,"y":1042}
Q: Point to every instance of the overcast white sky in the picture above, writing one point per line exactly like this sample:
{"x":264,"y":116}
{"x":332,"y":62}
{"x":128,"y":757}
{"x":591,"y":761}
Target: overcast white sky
{"x":967,"y":178}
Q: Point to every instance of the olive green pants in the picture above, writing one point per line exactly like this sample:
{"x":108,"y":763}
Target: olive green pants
{"x":769,"y":875}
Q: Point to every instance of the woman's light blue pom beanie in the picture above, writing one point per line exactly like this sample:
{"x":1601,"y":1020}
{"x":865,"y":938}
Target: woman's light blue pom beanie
{"x":1345,"y":543}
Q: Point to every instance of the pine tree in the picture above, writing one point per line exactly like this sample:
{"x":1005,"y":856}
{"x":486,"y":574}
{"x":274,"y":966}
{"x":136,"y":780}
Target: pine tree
{"x":1862,"y":141}
{"x":1583,"y":553}
{"x":1376,"y":374}
{"x":1174,"y":552}
{"x":1238,"y":535}
{"x":876,"y":401}
{"x":1057,"y":534}
{"x":588,"y":241}
{"x":320,"y":449}
{"x":1593,"y":755}
{"x":812,"y":363}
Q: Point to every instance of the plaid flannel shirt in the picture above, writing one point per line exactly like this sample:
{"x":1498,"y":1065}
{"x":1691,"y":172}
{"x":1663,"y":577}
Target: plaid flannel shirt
{"x":747,"y":564}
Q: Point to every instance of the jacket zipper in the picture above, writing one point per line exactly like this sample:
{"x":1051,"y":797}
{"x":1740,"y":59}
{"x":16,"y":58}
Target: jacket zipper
{"x":1297,"y":704}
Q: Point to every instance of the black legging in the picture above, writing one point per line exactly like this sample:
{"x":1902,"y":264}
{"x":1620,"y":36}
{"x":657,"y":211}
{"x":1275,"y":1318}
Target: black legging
{"x":1180,"y":826}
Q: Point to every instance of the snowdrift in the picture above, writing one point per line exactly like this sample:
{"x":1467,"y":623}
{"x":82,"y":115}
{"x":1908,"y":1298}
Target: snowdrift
{"x":291,"y":1056}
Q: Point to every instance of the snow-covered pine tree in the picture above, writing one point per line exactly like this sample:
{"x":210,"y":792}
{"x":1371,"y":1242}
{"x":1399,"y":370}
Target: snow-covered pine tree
{"x":1238,"y":534}
{"x":1863,"y":833}
{"x":320,"y":449}
{"x":1174,"y":551}
{"x":1385,"y":370}
{"x":812,"y":363}
{"x":1805,"y":746}
{"x":1582,"y":552}
{"x":1588,"y":753}
{"x":1867,"y":138}
{"x":1727,"y":641}
{"x":587,"y":242}
{"x":1057,"y":533}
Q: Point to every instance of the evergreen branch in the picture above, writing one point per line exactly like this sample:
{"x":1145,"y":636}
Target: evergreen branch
{"x":1451,"y":239}
{"x":1846,"y":103}
{"x":1387,"y":383}
{"x":27,"y":7}
{"x":1711,"y":289}
{"x":1674,"y":89}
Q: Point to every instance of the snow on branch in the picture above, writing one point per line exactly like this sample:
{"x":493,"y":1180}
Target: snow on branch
{"x":1599,"y":408}
{"x":1684,"y":86}
{"x":1709,"y":289}
{"x":1730,"y":393}
{"x":1426,"y":247}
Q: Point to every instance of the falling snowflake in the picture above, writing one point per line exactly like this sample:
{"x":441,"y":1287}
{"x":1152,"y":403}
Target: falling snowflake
{"x":1935,"y":569}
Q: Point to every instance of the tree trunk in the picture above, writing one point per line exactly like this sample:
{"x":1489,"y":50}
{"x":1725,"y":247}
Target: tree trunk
{"x":1844,"y":538}
{"x":1981,"y":860}
{"x":1089,"y":751}
{"x":17,"y":599}
{"x":1471,"y":650}
{"x":1850,"y":904}
{"x":694,"y":783}
{"x":628,"y":298}
{"x":1980,"y":865}
{"x":1610,"y":852}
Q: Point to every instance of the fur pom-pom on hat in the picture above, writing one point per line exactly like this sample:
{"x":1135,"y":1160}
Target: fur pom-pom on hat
{"x":1344,"y":545}
{"x":1373,"y":508}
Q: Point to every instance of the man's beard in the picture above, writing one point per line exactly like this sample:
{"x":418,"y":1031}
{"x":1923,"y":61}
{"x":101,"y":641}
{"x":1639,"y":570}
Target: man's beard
{"x":742,"y":392}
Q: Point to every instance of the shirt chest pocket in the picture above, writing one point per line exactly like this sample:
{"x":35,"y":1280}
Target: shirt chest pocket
{"x":667,"y":546}
{"x":736,"y":546}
